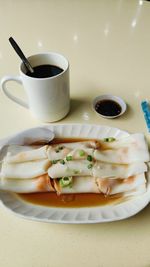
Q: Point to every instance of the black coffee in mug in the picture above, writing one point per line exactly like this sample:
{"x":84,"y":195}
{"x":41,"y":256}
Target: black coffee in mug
{"x":44,"y":71}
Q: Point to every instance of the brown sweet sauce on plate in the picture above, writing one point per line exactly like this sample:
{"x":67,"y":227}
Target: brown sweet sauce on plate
{"x":70,"y":200}
{"x":51,"y":199}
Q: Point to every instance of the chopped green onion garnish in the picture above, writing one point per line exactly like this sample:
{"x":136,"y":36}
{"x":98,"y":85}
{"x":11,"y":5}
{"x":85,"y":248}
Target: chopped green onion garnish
{"x":68,"y":158}
{"x":89,"y":158}
{"x":61,"y":147}
{"x":54,"y":161}
{"x":109,"y":139}
{"x":65,"y":181}
{"x":81,"y":153}
{"x":76,"y":172}
{"x":90,"y":166}
{"x":58,"y":149}
{"x":62,"y":161}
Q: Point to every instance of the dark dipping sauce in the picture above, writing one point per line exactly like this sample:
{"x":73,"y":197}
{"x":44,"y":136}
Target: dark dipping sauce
{"x":44,"y":71}
{"x":79,"y":200}
{"x":108,"y":107}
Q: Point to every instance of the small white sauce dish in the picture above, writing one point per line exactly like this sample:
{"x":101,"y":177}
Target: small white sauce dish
{"x":109,"y":102}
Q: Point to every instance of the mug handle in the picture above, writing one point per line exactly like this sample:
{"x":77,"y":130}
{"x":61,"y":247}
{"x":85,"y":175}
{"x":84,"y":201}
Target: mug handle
{"x":17,"y":79}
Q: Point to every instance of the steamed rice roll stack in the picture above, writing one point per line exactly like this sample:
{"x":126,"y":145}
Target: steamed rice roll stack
{"x":70,"y":168}
{"x":114,"y":186}
{"x":39,"y":184}
{"x":81,"y":153}
{"x":25,"y":153}
{"x":135,"y":192}
{"x":106,"y":170}
{"x":57,"y":153}
{"x":79,"y":145}
{"x":126,"y":150}
{"x":80,"y":184}
{"x":24,"y":170}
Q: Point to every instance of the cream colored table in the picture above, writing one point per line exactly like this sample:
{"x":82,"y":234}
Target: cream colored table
{"x":108,"y":46}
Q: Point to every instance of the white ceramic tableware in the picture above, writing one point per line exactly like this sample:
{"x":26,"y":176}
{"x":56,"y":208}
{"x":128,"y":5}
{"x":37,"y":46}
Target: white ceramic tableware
{"x":114,"y":98}
{"x":48,"y":98}
{"x":98,"y":214}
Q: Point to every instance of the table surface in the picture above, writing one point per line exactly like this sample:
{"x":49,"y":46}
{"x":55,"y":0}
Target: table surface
{"x":107,"y":44}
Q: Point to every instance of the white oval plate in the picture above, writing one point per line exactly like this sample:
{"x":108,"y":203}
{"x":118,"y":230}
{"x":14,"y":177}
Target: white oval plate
{"x":98,"y":214}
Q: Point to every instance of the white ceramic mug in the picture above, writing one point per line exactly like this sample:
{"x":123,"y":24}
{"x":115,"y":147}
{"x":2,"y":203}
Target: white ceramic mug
{"x":48,"y":98}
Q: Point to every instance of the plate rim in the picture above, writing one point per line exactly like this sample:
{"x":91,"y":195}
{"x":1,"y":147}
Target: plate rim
{"x":80,"y":219}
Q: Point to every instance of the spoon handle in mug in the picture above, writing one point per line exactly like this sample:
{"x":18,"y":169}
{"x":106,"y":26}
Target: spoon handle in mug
{"x":20,"y":54}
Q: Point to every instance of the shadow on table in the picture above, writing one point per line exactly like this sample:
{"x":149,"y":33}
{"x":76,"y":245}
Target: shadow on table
{"x":79,"y":106}
{"x":128,"y":114}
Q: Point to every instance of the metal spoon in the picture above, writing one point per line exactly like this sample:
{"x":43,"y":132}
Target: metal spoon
{"x":20,"y":54}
